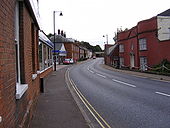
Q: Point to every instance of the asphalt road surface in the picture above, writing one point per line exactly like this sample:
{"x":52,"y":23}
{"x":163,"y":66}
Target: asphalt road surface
{"x":123,"y":100}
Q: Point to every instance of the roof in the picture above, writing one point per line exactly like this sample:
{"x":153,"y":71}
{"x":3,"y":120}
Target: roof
{"x":44,"y":39}
{"x":60,"y":39}
{"x":33,"y":8}
{"x":111,"y":49}
{"x":165,"y":13}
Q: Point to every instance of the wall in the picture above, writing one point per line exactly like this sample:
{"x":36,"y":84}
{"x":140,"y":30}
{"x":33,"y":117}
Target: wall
{"x":7,"y":64}
{"x":158,"y":43}
{"x":29,"y":66}
{"x":163,"y":28}
{"x":17,"y":113}
{"x":69,"y":49}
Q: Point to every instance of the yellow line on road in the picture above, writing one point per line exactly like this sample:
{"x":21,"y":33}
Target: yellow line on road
{"x":88,"y":105}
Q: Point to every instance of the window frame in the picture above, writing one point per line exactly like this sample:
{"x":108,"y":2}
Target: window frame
{"x":20,"y":88}
{"x":142,"y":44}
{"x":121,"y":61}
{"x":121,"y":48}
{"x":144,"y":63}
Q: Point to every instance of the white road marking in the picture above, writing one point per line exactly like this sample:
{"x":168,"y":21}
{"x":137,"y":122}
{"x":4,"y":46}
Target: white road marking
{"x":164,"y":94}
{"x":131,"y":85}
{"x":101,"y":75}
{"x":90,"y":70}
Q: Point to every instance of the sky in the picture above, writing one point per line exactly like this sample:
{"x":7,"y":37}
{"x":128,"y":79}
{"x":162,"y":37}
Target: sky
{"x":89,"y":20}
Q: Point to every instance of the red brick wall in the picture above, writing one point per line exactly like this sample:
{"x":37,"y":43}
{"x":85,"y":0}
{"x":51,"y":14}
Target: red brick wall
{"x":17,"y":113}
{"x":156,"y":50}
{"x":29,"y":46}
{"x":45,"y":73}
{"x":7,"y":64}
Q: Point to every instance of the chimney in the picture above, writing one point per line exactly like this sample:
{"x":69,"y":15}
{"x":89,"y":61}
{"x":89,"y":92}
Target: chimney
{"x":62,"y":32}
{"x":65,"y":34}
{"x":58,"y":31}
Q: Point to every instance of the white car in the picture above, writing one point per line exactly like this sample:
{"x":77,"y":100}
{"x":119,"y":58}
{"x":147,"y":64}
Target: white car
{"x":71,"y":61}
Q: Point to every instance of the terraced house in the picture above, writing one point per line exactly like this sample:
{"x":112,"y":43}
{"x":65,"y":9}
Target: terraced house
{"x":144,"y":45}
{"x":19,"y":61}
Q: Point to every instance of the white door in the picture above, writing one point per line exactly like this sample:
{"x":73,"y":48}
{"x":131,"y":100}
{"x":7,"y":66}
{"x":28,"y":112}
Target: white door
{"x":132,"y":61}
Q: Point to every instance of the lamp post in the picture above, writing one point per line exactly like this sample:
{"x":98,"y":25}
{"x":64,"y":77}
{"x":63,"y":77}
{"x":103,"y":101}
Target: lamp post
{"x":105,"y":47}
{"x":106,"y":38}
{"x":54,"y":57}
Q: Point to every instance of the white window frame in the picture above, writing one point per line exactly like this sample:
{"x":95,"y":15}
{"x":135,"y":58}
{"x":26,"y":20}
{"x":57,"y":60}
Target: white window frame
{"x":143,"y":63}
{"x":121,"y":48}
{"x":142,"y":44}
{"x":121,"y":61}
{"x":20,"y":88}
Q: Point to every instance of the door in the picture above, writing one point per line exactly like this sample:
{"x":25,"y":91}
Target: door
{"x":132,"y":61}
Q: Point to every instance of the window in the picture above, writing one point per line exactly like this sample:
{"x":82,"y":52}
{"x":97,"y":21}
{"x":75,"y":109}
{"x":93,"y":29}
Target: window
{"x":142,"y":44}
{"x":121,"y":48}
{"x":33,"y":47}
{"x":20,"y":88}
{"x":121,"y":60}
{"x":45,"y":55}
{"x":17,"y":43}
{"x":143,"y":63}
{"x":132,"y":46}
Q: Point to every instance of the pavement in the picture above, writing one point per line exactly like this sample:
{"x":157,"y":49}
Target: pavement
{"x":140,"y":74}
{"x":56,"y":107}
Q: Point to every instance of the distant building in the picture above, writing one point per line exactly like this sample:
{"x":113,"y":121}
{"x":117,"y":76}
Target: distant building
{"x":72,"y":48}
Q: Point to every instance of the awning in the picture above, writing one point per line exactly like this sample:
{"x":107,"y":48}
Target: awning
{"x":45,"y":39}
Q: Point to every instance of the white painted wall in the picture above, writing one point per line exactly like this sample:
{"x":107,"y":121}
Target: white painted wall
{"x":163,"y":28}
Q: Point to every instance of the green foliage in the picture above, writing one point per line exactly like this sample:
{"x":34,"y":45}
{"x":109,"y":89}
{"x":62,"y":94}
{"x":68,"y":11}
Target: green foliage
{"x":163,"y":67}
{"x":96,"y":48}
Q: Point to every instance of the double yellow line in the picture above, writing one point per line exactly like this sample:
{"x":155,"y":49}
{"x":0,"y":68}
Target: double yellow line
{"x":91,"y":109}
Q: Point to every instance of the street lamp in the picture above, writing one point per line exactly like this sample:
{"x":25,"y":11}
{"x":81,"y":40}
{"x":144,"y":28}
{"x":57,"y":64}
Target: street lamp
{"x":106,"y":38}
{"x":54,"y":57}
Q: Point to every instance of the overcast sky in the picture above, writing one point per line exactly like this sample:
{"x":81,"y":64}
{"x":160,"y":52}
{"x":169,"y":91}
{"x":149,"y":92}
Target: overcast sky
{"x":89,"y":20}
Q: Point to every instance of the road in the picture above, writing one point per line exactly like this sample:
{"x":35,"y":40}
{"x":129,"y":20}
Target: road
{"x":124,"y":101}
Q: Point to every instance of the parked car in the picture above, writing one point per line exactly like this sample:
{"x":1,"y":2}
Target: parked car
{"x":94,"y":57}
{"x":71,"y":61}
{"x":68,"y":61}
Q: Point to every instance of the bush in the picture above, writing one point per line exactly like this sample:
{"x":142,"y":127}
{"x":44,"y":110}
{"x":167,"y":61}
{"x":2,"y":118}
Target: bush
{"x":163,"y":67}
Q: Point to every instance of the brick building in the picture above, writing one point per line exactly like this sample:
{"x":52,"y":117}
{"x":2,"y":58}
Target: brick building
{"x":19,"y":62}
{"x":146,"y":44}
{"x":72,"y":48}
{"x":111,"y":54}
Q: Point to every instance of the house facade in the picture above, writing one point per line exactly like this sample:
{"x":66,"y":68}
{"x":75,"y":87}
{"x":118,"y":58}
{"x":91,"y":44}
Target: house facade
{"x":19,"y":62}
{"x":111,"y":54}
{"x":72,"y":48}
{"x":146,"y":44}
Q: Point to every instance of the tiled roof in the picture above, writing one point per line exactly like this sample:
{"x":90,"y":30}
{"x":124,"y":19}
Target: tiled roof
{"x":165,"y":13}
{"x":60,"y":39}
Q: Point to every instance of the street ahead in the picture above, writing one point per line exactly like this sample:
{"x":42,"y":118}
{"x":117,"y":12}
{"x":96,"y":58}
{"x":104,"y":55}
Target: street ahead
{"x":124,"y":101}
